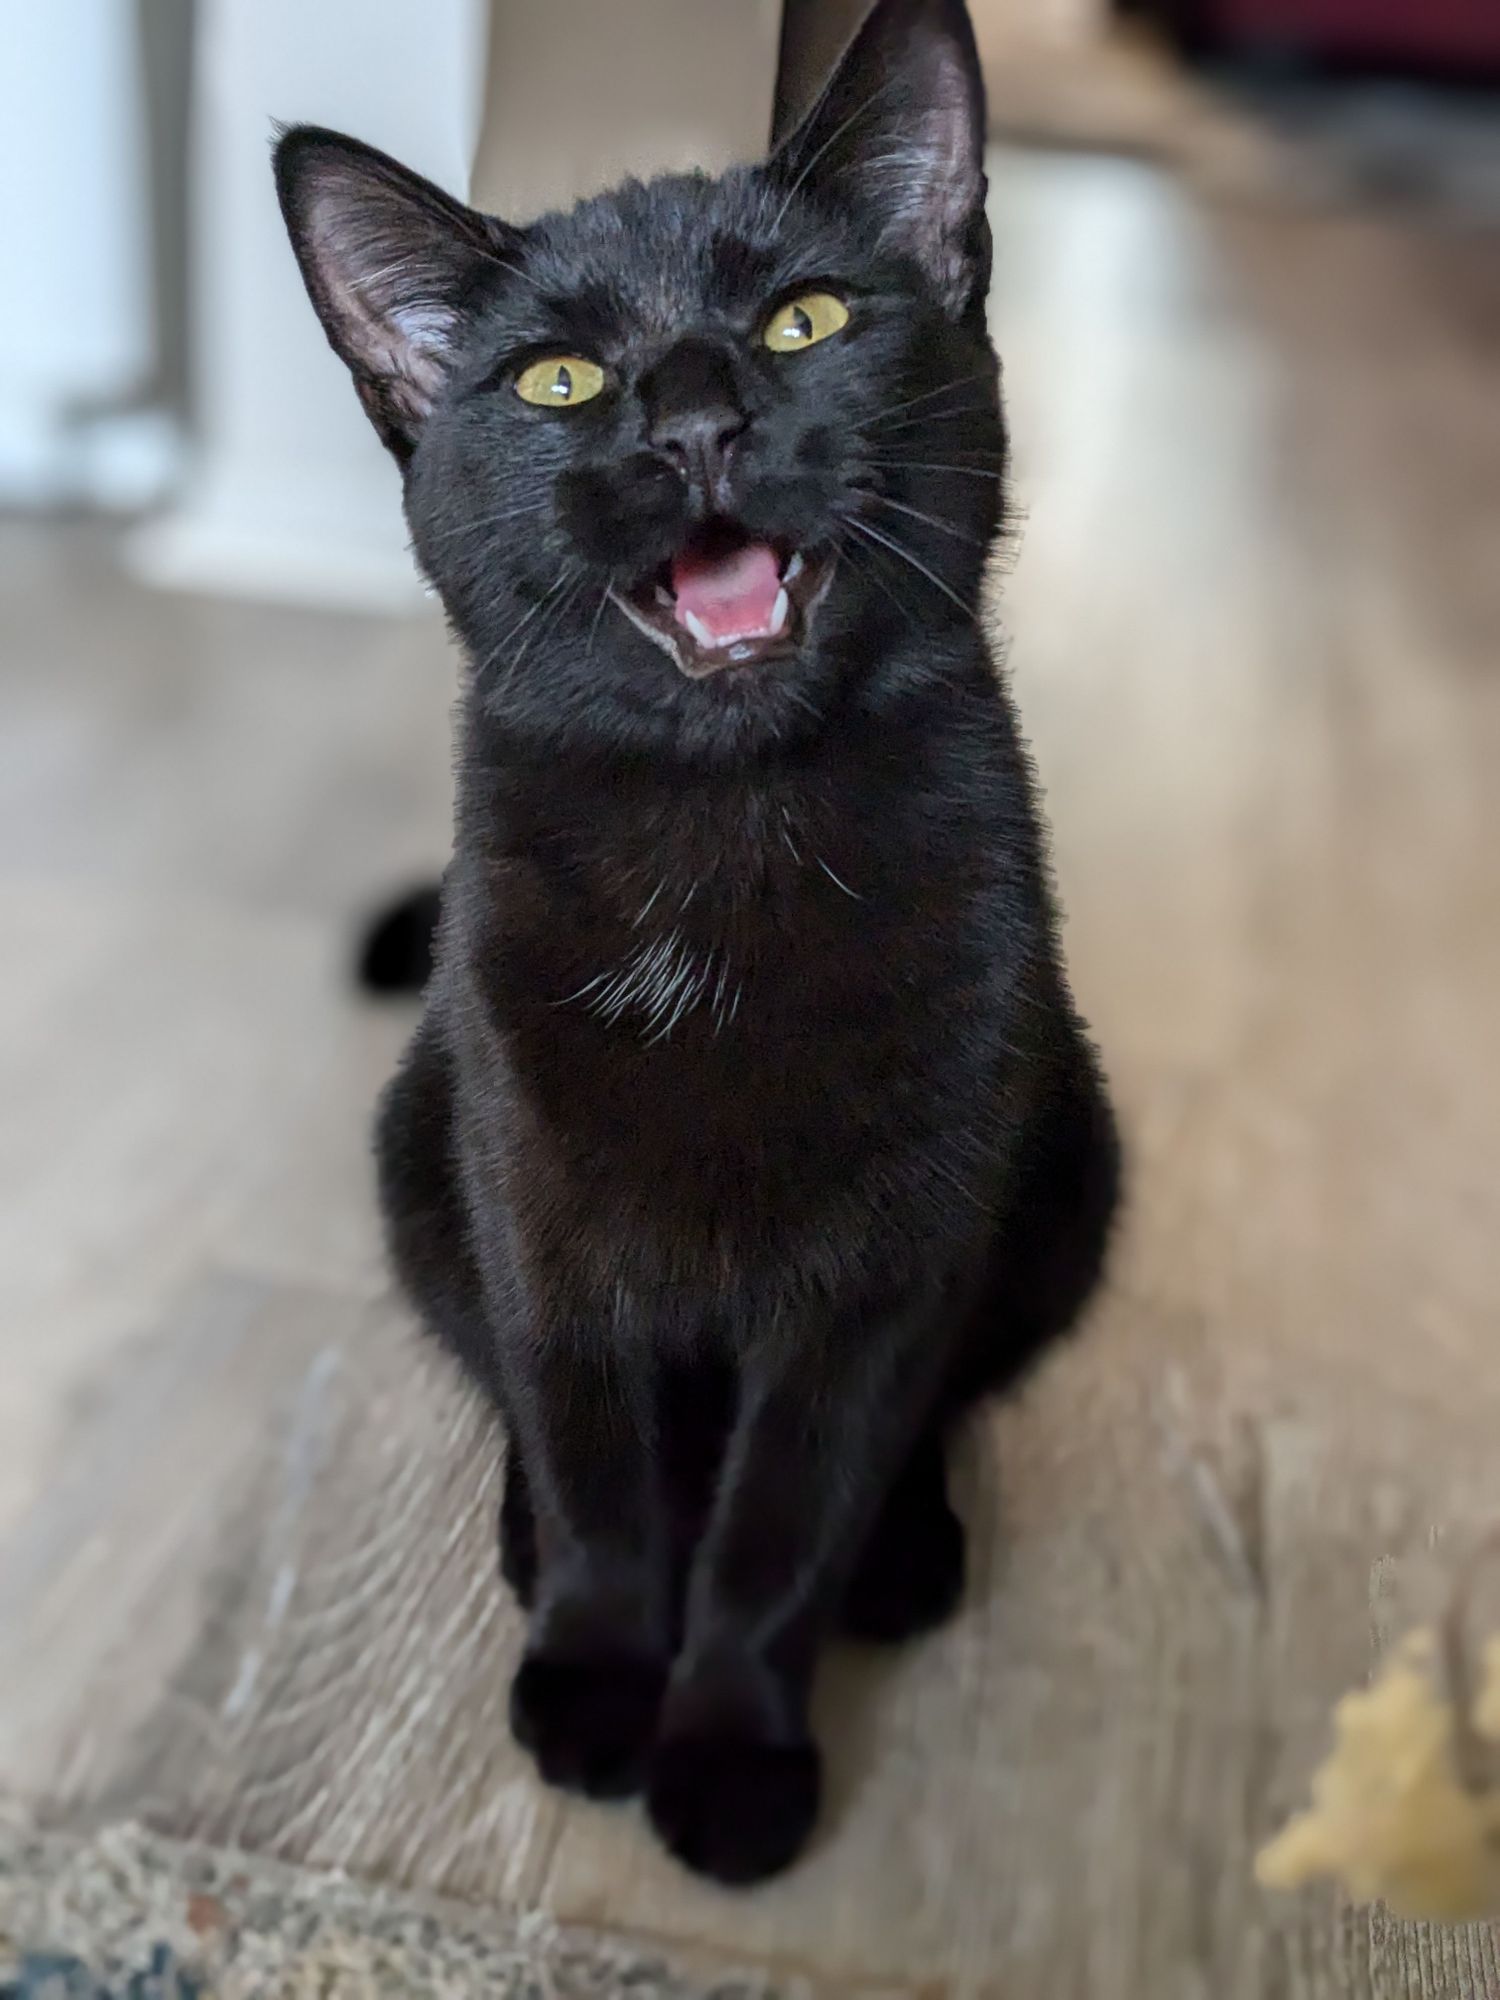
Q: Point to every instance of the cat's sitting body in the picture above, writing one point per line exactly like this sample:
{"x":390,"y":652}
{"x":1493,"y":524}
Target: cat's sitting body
{"x":749,"y":1131}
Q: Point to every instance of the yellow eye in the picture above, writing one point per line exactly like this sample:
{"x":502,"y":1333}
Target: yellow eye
{"x":804,"y":322}
{"x":560,"y":381}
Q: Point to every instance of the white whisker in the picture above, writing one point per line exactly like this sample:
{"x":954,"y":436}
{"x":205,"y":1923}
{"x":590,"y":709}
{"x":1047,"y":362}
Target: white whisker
{"x":487,"y":521}
{"x":604,"y":597}
{"x":837,"y":882}
{"x":932,"y":520}
{"x":868,"y":563}
{"x":928,"y":396}
{"x":930,"y":465}
{"x":899,"y":549}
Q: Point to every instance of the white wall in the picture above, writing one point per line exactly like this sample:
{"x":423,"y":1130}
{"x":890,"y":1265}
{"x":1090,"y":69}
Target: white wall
{"x":76,"y":332}
{"x":583,"y":92}
{"x":291,"y":495}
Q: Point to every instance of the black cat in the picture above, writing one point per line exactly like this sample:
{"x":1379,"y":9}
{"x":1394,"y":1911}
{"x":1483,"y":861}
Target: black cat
{"x":749,"y":1131}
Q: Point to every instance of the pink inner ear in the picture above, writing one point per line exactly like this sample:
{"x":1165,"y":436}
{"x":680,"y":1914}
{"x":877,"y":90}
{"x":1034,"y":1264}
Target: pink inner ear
{"x":732,"y":595}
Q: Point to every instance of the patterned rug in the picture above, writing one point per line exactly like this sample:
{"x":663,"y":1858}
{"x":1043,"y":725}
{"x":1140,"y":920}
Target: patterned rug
{"x":122,"y":1915}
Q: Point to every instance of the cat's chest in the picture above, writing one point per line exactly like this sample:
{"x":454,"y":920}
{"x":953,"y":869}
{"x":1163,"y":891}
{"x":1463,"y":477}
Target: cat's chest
{"x":794,"y":949}
{"x":691,"y":1025}
{"x":781,"y":931}
{"x":733,"y":969}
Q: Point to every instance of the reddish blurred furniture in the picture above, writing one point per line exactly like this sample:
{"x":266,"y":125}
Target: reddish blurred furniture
{"x":1454,"y":34}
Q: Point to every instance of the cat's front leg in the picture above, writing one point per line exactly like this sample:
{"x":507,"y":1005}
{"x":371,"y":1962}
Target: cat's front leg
{"x":586,"y":1694}
{"x":826,"y":1418}
{"x":517,"y":1531}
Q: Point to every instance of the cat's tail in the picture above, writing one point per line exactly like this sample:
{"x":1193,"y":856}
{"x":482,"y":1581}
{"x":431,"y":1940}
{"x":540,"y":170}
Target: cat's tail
{"x":395,"y":953}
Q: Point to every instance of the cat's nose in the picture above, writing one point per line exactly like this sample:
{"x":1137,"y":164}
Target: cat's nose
{"x":694,"y":417}
{"x":700,"y":444}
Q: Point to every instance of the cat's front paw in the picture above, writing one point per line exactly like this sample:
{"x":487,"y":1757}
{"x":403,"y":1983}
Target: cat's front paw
{"x":588,"y":1722}
{"x":733,"y":1807}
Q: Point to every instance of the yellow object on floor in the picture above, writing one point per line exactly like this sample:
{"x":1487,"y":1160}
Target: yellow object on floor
{"x":1407,"y":1806}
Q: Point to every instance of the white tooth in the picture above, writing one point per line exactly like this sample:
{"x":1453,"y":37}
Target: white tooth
{"x":742,"y":652}
{"x":781,"y":610}
{"x":698,"y":629}
{"x":794,"y":567}
{"x":664,"y":596}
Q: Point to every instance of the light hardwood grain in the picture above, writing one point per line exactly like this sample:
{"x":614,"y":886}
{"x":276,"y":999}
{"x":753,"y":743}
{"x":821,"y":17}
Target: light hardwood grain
{"x":246,"y":1524}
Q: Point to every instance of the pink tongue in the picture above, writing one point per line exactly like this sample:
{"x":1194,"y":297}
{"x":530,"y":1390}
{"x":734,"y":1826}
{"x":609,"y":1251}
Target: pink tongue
{"x":730,"y":595}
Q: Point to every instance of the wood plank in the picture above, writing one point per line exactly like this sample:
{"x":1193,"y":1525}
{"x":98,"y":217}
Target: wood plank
{"x":261,"y":1608}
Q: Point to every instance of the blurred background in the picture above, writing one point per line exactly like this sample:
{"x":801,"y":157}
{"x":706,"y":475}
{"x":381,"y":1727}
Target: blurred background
{"x":1247,"y":297}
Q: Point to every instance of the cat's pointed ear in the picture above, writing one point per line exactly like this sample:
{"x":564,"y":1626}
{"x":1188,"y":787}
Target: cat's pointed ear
{"x":898,"y":134}
{"x":392,"y":265}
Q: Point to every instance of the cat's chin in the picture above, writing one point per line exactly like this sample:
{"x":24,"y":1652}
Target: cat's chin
{"x":699,"y":652}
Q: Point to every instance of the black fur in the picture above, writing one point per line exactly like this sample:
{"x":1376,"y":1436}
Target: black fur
{"x":728,"y":1262}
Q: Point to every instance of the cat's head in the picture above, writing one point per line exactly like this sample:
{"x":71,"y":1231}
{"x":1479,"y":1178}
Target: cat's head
{"x":688,"y":460}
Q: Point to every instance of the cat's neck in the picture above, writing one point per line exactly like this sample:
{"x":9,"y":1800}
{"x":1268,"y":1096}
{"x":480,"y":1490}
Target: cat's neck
{"x":833,"y":821}
{"x":918,"y":691}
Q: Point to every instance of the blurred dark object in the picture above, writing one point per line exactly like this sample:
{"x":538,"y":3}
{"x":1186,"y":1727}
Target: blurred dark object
{"x":1452,"y":37}
{"x":396,"y":955}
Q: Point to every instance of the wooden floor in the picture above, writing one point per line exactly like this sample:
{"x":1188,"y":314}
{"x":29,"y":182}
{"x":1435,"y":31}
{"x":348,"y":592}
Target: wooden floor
{"x":246,"y":1576}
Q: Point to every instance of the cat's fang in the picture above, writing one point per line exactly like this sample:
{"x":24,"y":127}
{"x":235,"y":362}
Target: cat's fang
{"x":735,"y":642}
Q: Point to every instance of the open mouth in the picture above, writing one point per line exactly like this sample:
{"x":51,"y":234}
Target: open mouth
{"x":726,"y":600}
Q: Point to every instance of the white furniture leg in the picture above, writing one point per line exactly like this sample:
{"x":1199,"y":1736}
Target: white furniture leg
{"x":291,"y":496}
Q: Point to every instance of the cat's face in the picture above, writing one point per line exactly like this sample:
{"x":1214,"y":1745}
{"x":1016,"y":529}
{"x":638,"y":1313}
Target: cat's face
{"x":678,"y":461}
